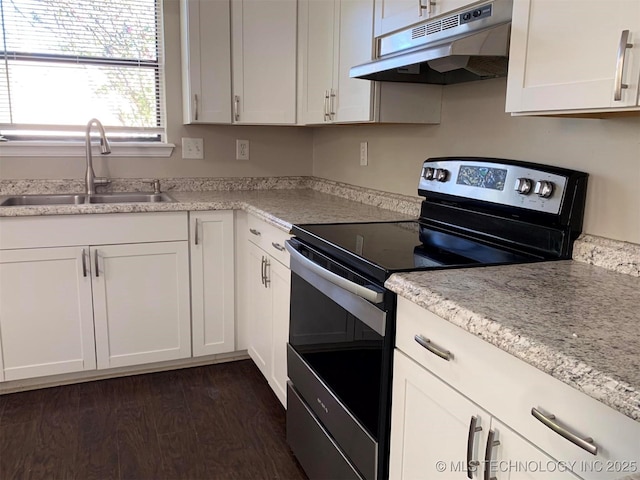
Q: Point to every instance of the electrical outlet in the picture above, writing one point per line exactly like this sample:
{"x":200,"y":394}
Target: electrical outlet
{"x":364,"y":154}
{"x":242,"y":149}
{"x":193,"y":148}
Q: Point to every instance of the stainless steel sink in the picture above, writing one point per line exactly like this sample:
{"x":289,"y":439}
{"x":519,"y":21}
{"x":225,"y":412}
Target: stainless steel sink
{"x":26,"y":200}
{"x":81,"y":198}
{"x":140,"y":197}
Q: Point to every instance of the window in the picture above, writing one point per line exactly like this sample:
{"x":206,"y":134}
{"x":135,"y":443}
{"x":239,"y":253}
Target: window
{"x":63,"y":62}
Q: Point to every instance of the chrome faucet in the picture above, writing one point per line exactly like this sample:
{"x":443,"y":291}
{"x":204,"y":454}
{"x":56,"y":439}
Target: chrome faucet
{"x":90,"y":177}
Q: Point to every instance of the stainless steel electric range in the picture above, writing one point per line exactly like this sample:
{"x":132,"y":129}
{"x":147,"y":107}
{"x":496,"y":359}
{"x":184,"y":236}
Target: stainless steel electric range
{"x":476,"y":212}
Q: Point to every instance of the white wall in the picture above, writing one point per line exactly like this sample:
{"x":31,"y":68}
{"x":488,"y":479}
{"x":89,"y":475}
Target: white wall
{"x":474,"y":124}
{"x":274,"y":150}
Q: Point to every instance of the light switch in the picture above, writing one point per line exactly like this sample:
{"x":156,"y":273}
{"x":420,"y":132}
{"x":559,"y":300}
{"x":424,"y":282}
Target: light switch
{"x":193,"y":148}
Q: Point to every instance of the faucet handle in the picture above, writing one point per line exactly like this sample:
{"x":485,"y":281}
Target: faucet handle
{"x":155,"y":184}
{"x":101,"y":181}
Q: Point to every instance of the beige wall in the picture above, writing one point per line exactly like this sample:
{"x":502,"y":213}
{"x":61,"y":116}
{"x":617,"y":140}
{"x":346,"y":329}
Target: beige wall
{"x":274,"y":150}
{"x":474,"y":123}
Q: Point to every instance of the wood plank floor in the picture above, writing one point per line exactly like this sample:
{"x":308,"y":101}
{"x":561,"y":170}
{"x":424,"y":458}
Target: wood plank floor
{"x":215,"y":422}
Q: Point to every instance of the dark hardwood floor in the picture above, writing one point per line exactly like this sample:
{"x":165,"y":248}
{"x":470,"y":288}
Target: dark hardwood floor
{"x":215,"y":422}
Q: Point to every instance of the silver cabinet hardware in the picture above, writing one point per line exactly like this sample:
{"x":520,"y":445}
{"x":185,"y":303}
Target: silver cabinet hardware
{"x":84,"y":263}
{"x":622,"y":53}
{"x":97,"y":264}
{"x":550,"y":421}
{"x":426,"y":343}
{"x":425,"y":8}
{"x":332,"y":106}
{"x":262,"y":270}
{"x":255,"y":232}
{"x":236,"y":108}
{"x":277,"y":246}
{"x":473,"y":429}
{"x":195,"y":106}
{"x":267,"y":264}
{"x":488,"y":454}
{"x":195,"y":235}
{"x":326,"y":106}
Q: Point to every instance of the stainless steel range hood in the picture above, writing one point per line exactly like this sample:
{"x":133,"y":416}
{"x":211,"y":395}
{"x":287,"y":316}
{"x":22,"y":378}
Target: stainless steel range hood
{"x":461,"y":46}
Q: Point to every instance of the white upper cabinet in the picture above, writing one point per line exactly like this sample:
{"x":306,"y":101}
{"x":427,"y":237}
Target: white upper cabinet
{"x":574,"y":57}
{"x":206,"y":61}
{"x":335,"y":35}
{"x":264,"y":61}
{"x":392,"y":15}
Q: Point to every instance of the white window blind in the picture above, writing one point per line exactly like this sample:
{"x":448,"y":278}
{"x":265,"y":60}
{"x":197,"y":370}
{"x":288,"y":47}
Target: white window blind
{"x":63,"y":62}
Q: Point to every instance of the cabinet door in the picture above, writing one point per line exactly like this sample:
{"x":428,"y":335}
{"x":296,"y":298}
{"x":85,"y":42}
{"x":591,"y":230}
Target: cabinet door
{"x":280,"y":285}
{"x":430,"y":425}
{"x":564,"y":55}
{"x":354,"y":97}
{"x":46,"y":315}
{"x":212,"y":282}
{"x":317,"y":41}
{"x":264,"y":61}
{"x":258,"y":299}
{"x":141,"y":303}
{"x":511,"y":457}
{"x":206,"y":61}
{"x":391,"y":15}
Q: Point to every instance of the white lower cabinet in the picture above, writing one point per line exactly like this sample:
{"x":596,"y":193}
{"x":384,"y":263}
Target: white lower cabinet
{"x":439,"y":433}
{"x":266,"y":296}
{"x":141,"y":303}
{"x":435,"y":400}
{"x":212,"y":282}
{"x":80,"y":288}
{"x":46,"y":313}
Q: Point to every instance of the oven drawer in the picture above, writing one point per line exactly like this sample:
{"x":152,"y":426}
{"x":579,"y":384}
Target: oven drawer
{"x":509,"y":389}
{"x":269,"y":238}
{"x":312,"y":445}
{"x":357,"y":444}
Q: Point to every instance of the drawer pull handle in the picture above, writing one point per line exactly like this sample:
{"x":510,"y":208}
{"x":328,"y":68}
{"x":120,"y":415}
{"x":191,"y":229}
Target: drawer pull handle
{"x":488,"y":454}
{"x":97,"y":264}
{"x":196,"y":232}
{"x":426,"y":343}
{"x":84,"y":263}
{"x":548,"y":421}
{"x":473,"y":429}
{"x":255,"y":232}
{"x":277,"y":246}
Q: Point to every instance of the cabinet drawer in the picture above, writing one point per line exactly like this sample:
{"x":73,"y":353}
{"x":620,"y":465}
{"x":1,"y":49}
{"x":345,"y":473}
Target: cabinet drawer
{"x":269,"y":238}
{"x":509,"y":388}
{"x":99,"y":229}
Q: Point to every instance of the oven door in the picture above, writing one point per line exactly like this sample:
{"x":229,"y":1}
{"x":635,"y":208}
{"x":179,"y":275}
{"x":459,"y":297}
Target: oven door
{"x":339,"y":361}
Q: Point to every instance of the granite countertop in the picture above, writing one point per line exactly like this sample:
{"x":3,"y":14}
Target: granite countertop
{"x":576,"y":322}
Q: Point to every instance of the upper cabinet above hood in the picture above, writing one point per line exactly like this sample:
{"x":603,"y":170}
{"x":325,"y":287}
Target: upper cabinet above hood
{"x":467,"y":44}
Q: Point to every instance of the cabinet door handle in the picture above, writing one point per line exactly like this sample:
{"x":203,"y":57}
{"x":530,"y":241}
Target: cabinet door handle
{"x":84,"y":263}
{"x":195,"y":106}
{"x":488,"y":454}
{"x":326,"y":105}
{"x":332,"y":107}
{"x":255,"y":232}
{"x":262,"y":271}
{"x":622,"y":53}
{"x":277,"y":246}
{"x":473,"y":429}
{"x":236,"y":108}
{"x":548,"y":421}
{"x":97,"y":264}
{"x":195,"y":234}
{"x":426,"y":343}
{"x":267,"y":264}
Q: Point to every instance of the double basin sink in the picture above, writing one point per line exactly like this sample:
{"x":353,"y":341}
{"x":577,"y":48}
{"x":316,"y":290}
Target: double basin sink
{"x":82,"y":199}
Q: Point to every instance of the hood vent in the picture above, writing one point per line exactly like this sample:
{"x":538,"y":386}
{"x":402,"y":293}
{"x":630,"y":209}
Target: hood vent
{"x":470,"y":44}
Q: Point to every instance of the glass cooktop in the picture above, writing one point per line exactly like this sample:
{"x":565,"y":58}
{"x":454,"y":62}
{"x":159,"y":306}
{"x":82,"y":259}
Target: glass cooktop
{"x":400,"y":246}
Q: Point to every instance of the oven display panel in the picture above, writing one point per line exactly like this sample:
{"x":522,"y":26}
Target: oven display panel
{"x":482,"y":177}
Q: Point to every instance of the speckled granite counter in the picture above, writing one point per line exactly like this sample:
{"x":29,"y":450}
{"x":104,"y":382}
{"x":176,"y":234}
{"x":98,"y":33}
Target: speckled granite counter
{"x":577,"y":322}
{"x":280,"y":201}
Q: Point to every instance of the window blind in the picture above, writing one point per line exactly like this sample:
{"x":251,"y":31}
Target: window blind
{"x":63,"y":62}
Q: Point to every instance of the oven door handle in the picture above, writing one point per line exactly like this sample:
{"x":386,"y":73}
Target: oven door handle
{"x":348,"y":285}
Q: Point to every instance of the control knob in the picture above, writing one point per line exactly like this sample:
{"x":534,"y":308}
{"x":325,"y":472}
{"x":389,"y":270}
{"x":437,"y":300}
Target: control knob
{"x":544,"y":188}
{"x":441,"y":174}
{"x":523,"y":186}
{"x":429,"y":173}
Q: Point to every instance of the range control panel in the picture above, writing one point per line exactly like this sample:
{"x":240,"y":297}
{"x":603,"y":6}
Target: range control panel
{"x":513,"y":185}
